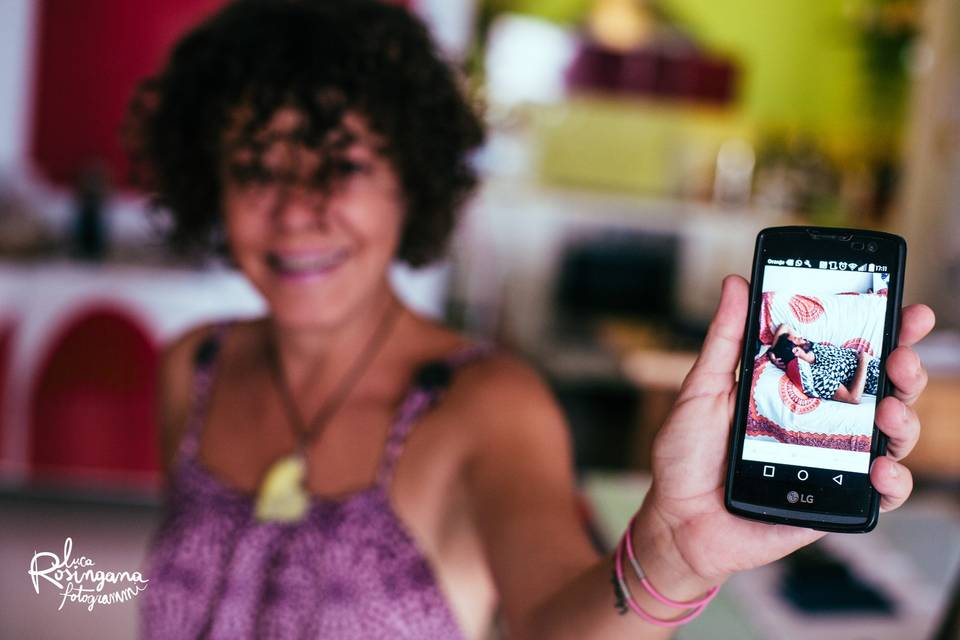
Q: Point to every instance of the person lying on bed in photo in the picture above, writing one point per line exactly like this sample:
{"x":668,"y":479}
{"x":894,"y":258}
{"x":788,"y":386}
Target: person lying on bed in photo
{"x":825,"y":370}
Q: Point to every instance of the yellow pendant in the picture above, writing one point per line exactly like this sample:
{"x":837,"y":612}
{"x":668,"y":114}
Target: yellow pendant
{"x":282,"y":496}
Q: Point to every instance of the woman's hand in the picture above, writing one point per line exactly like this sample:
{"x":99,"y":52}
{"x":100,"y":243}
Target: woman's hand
{"x":685,"y":504}
{"x":774,"y":359}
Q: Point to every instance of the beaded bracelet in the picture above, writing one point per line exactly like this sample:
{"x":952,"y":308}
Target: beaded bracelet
{"x":675,"y":622}
{"x":641,"y":576}
{"x":696,"y":607}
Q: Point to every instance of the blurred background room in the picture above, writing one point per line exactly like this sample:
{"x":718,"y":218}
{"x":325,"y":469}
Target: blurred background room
{"x":636,"y":147}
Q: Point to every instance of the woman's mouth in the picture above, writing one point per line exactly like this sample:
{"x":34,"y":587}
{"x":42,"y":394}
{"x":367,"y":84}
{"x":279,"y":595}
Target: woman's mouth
{"x":306,"y":264}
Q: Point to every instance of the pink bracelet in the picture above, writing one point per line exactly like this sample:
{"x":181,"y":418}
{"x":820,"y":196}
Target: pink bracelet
{"x":675,"y":622}
{"x":659,"y":597}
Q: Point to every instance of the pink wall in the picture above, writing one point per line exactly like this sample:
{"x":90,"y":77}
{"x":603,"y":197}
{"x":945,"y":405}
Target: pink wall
{"x":89,"y":57}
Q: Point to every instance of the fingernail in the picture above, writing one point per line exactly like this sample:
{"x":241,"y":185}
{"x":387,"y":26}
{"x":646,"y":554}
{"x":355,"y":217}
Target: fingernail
{"x":894,"y":471}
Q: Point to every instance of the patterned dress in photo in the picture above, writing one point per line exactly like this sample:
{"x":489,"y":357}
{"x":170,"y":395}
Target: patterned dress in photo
{"x":833,"y":366}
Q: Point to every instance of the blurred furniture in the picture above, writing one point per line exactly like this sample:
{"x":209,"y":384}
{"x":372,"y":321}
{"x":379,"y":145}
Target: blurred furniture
{"x":624,"y":273}
{"x":150,"y":306}
{"x":659,"y":71}
{"x":638,"y":147}
{"x":92,"y":406}
{"x":658,"y":375}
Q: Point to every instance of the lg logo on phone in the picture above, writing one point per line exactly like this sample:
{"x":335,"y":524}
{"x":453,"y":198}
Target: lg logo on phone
{"x":793,"y":498}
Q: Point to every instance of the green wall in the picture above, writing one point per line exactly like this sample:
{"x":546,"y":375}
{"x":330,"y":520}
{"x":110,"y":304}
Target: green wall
{"x":800,"y":58}
{"x":801,"y":61}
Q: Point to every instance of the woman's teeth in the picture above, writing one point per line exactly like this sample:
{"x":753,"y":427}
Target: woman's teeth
{"x":307,"y":263}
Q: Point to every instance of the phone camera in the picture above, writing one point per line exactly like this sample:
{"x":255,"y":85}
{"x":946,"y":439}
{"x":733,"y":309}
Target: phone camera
{"x":856,"y":246}
{"x":872,"y":247}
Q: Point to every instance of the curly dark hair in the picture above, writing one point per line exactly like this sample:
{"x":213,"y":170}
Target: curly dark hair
{"x":783,"y":349}
{"x":323,"y":58}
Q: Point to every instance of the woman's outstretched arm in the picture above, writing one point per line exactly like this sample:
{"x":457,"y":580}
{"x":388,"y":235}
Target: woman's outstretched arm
{"x":551,"y":581}
{"x":552,"y":584}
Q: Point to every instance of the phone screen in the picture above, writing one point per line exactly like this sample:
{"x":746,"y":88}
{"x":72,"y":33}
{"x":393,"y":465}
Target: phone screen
{"x":815,"y":365}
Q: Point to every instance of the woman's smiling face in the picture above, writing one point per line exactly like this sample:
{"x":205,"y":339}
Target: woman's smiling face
{"x":314,"y":231}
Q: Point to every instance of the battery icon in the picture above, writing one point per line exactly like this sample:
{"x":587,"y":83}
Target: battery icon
{"x":871,"y":267}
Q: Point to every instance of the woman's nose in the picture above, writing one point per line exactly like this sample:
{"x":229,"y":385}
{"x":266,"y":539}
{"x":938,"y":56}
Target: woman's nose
{"x":300,"y":208}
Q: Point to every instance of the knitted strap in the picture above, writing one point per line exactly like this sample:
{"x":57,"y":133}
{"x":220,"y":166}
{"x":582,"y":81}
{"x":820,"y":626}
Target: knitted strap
{"x":428,"y":387}
{"x":204,"y":368}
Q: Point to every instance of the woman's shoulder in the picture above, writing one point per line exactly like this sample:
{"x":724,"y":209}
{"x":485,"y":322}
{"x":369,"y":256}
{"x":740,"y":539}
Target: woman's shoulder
{"x":179,"y":353}
{"x":473,"y":372}
{"x":485,"y":371}
{"x":500,"y":391}
{"x":185,"y":347}
{"x":498,"y":372}
{"x":504,"y":409}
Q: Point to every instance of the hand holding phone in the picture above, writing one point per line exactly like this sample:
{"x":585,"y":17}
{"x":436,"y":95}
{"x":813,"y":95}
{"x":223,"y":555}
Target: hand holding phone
{"x":690,"y":455}
{"x":823,"y":317}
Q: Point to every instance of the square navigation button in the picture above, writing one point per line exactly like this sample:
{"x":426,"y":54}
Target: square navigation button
{"x":768,"y":470}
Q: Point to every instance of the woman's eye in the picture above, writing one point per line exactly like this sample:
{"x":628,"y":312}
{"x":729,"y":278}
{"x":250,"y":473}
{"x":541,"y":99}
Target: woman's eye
{"x":251,"y":174}
{"x":351,"y":167}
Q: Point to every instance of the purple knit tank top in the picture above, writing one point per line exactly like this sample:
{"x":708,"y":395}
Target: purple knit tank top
{"x":349,"y":570}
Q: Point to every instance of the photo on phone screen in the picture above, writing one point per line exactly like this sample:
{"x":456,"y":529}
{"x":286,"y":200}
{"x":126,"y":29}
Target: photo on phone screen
{"x":824,"y":309}
{"x":816,"y":366}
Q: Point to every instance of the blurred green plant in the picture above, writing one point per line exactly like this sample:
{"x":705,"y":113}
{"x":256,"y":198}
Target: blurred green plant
{"x":888,"y":29}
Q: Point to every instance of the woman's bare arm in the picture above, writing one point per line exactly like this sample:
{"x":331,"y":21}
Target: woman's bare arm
{"x":551,"y":581}
{"x":855,"y":392}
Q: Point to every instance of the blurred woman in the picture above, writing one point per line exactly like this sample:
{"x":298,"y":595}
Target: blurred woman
{"x":342,"y":467}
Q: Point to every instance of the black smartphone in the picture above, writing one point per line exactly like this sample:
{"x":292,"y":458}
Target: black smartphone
{"x":824,"y":314}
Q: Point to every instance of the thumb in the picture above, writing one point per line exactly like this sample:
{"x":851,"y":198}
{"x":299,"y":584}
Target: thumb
{"x":724,"y":342}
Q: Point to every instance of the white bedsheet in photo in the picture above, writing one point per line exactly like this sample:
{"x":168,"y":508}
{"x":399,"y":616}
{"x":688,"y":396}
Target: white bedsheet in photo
{"x":779,"y":401}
